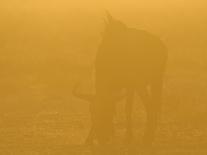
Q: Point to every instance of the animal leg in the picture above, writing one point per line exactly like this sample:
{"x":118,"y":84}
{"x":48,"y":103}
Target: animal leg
{"x":91,"y":137}
{"x":152,"y":102}
{"x":128,"y":111}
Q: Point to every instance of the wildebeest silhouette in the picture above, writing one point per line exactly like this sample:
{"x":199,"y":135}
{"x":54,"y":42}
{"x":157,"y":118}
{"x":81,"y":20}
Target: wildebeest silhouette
{"x":132,"y":60}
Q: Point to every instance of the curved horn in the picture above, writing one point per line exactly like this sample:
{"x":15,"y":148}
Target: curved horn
{"x":109,"y":17}
{"x":86,"y":97}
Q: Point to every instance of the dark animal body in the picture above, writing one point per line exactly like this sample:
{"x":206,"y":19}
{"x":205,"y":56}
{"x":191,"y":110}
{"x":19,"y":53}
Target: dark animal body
{"x":131,"y":60}
{"x":134,"y":60}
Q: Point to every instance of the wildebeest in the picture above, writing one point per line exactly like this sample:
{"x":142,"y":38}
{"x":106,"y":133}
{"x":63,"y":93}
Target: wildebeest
{"x":131,"y":60}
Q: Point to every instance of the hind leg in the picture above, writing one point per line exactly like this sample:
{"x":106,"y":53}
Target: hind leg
{"x":128,"y":111}
{"x":152,"y":102}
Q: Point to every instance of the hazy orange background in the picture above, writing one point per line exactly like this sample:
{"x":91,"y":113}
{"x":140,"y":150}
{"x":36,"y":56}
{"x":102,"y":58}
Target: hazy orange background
{"x":46,"y":46}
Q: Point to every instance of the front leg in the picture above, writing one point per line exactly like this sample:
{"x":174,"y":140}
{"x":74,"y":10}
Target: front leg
{"x":91,"y":137}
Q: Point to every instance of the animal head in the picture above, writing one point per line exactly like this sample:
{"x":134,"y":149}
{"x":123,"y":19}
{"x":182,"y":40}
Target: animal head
{"x":91,"y":98}
{"x":113,"y":27}
{"x":86,"y":97}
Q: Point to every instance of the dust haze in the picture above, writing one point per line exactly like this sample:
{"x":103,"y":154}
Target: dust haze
{"x":46,"y":47}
